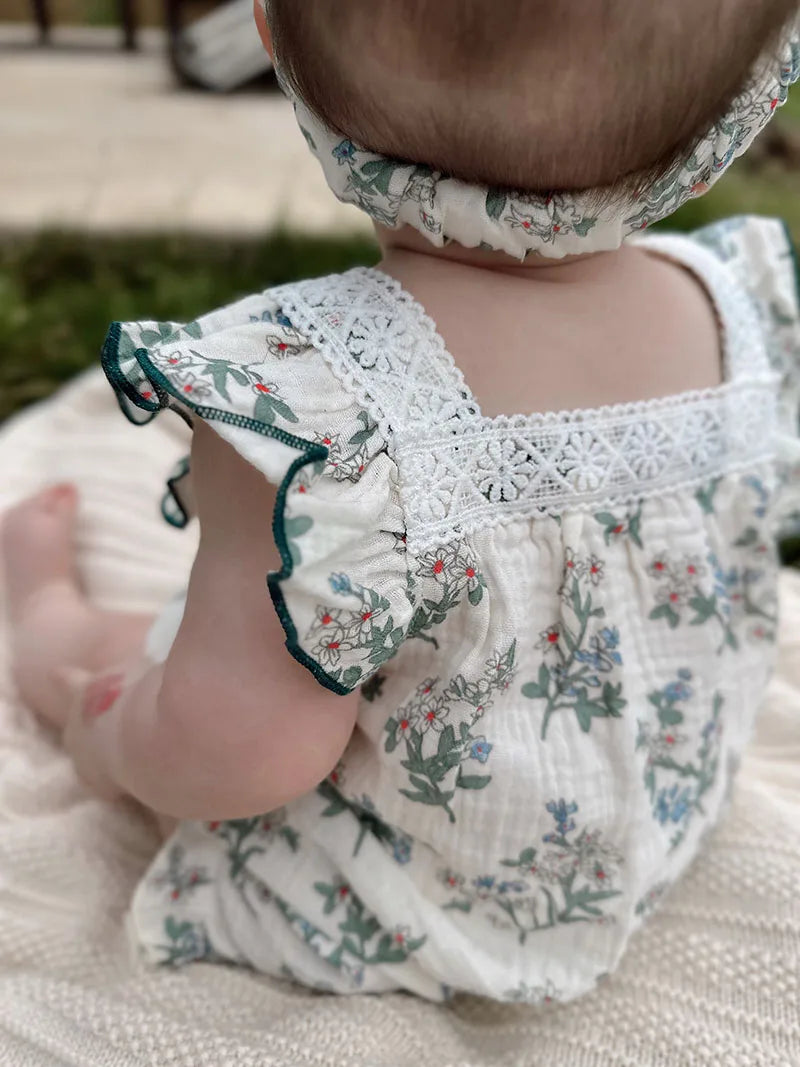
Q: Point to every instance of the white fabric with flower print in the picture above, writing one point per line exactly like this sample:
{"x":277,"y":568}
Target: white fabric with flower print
{"x":444,"y":209}
{"x":561,"y":627}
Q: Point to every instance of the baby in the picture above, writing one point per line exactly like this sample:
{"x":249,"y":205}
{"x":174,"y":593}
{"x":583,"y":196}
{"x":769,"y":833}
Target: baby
{"x":525,"y":651}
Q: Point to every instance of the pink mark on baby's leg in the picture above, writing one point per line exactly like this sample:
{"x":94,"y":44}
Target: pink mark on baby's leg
{"x":101,"y":695}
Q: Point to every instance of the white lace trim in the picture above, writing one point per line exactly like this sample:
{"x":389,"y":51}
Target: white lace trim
{"x":460,"y":470}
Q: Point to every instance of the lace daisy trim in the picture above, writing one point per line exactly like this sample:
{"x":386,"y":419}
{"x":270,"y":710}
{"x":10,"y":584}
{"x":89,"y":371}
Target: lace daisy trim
{"x":460,"y":470}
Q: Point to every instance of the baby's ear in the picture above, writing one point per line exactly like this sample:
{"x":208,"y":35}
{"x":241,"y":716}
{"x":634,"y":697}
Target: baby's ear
{"x":263,"y":29}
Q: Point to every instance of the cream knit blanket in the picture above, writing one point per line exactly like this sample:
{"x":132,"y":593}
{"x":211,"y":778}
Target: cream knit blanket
{"x":713,"y":979}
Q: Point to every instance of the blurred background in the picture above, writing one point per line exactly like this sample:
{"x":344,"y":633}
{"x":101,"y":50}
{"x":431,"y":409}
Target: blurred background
{"x":149,"y":168}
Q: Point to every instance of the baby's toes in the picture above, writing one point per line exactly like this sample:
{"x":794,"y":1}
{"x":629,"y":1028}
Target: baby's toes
{"x":37,"y":544}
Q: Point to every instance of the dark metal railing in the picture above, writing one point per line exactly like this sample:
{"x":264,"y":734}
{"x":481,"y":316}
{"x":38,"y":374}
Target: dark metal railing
{"x":127,"y":18}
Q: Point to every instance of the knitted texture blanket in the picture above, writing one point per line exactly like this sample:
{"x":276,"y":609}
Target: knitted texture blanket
{"x":711,"y":980}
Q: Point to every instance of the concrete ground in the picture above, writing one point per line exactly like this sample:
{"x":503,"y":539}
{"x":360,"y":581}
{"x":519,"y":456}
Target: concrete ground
{"x":96,"y":138}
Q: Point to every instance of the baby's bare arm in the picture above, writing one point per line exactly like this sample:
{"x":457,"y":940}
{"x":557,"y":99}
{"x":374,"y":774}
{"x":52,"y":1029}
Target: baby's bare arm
{"x":231,"y":725}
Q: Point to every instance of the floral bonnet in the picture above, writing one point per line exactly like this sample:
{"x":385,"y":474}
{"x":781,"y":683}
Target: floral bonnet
{"x":444,"y":209}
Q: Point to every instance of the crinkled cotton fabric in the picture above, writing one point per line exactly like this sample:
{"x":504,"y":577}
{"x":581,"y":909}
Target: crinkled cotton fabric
{"x":443,"y":208}
{"x":561,"y":625}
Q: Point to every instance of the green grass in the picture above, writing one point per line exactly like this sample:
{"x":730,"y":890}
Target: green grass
{"x":59,"y":291}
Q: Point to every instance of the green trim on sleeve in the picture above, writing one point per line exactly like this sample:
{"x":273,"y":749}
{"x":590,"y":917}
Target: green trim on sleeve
{"x":173,"y":509}
{"x":310,"y":453}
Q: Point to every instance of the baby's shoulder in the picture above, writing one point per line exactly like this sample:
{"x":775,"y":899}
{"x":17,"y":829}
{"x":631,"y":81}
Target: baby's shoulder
{"x":760,"y":253}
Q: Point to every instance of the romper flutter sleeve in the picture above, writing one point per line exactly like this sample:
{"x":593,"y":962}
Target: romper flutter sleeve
{"x":761,"y":253}
{"x":342,"y":593}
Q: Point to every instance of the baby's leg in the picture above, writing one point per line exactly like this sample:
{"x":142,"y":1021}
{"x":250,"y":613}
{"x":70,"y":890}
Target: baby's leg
{"x":53,"y":626}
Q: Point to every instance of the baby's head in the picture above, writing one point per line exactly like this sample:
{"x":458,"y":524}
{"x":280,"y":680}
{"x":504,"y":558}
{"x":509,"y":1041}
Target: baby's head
{"x":526,"y":94}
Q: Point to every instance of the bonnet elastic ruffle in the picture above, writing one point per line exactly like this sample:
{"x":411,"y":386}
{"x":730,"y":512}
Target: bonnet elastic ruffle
{"x":445,"y":209}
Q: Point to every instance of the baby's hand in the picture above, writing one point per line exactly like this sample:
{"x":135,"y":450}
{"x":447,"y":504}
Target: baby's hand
{"x":88,"y":699}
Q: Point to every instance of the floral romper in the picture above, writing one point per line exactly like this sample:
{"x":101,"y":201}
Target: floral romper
{"x":561,"y":627}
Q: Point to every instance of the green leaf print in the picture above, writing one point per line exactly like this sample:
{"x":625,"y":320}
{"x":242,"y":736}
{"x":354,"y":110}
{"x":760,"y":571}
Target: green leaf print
{"x":705,"y":496}
{"x":676,"y":785}
{"x":445,"y":574}
{"x":438,"y":749}
{"x":219,"y":375}
{"x":366,"y":433}
{"x":496,"y":201}
{"x":309,"y":139}
{"x":379,"y":173}
{"x":565,"y":883}
{"x":679,"y":587}
{"x":367,"y":632}
{"x":615,"y":528}
{"x":363,"y":942}
{"x":584,"y":226}
{"x":180,"y":880}
{"x":666,"y":611}
{"x":269,"y":405}
{"x":188,"y":942}
{"x":372,"y":689}
{"x":293,"y":529}
{"x":580,"y":651}
{"x":748,"y":539}
{"x":246,"y":838}
{"x":366,"y":819}
{"x":472,"y":781}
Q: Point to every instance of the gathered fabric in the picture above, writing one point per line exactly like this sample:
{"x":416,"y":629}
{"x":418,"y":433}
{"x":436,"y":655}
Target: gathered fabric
{"x":561,"y":626}
{"x":443,"y":208}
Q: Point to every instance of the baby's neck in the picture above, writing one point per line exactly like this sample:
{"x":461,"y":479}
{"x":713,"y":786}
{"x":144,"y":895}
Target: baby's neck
{"x":548,"y":334}
{"x":405,"y":245}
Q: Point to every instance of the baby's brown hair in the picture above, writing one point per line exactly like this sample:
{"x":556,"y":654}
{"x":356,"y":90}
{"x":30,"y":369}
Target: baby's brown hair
{"x":527,"y":94}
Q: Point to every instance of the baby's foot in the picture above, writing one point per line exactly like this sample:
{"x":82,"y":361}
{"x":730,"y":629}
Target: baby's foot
{"x":54,"y":628}
{"x":38,"y":551}
{"x":50,"y":618}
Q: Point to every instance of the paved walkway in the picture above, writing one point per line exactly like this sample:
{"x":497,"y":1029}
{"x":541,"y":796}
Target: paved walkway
{"x":105,"y":140}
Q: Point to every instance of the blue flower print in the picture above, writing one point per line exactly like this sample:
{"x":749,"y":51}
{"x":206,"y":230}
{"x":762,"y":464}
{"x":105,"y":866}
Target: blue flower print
{"x":709,"y":730}
{"x":575,"y":683}
{"x":267,"y":316}
{"x":402,"y":849}
{"x":542,"y":888}
{"x":480,"y":750}
{"x":611,"y":636}
{"x":344,"y":152}
{"x":672,"y":805}
{"x":759,"y":489}
{"x":677,"y":691}
{"x":562,"y":813}
{"x":485,"y":881}
{"x":340,"y":583}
